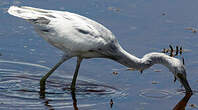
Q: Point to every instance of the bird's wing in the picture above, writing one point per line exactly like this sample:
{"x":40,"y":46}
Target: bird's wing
{"x":64,"y":29}
{"x":42,"y":17}
{"x":84,"y":23}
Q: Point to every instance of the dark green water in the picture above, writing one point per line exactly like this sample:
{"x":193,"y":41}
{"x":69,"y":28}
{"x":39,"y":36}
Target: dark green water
{"x":141,"y":26}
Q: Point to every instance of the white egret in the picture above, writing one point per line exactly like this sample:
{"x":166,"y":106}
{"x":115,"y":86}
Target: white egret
{"x":81,"y":37}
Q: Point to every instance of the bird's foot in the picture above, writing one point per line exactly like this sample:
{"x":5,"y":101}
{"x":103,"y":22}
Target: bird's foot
{"x":177,"y":51}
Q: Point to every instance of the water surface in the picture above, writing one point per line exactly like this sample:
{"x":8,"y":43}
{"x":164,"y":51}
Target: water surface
{"x":141,"y":26}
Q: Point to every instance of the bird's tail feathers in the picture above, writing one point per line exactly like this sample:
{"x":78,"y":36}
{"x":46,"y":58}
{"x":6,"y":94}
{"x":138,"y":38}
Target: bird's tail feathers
{"x":23,"y":12}
{"x":33,"y":15}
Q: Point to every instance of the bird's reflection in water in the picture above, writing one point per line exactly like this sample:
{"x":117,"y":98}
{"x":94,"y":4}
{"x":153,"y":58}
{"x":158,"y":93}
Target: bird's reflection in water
{"x":46,"y":101}
{"x":179,"y":106}
{"x":183,"y":102}
{"x":42,"y":96}
{"x":74,"y":100}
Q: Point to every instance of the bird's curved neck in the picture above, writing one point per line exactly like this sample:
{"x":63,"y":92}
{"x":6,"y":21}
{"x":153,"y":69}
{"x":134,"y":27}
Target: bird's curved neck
{"x":141,"y":64}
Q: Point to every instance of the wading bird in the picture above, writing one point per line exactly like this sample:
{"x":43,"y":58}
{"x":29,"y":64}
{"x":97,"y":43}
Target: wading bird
{"x":81,"y":37}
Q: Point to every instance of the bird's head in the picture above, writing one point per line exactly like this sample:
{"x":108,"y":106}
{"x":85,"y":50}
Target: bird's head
{"x":179,"y":72}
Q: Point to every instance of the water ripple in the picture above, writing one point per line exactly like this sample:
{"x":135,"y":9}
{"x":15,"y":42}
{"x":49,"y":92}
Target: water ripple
{"x":155,"y":94}
{"x":19,"y":87}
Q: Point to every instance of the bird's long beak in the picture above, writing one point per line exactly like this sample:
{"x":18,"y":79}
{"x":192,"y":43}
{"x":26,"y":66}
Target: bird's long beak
{"x":185,"y":83}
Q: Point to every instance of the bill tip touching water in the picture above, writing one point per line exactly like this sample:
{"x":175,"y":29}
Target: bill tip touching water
{"x":81,"y":37}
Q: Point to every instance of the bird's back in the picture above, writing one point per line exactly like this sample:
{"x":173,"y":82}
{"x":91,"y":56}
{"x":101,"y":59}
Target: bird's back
{"x":67,"y":31}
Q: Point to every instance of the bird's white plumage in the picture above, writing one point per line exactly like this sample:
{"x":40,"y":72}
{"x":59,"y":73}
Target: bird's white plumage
{"x":79,"y":36}
{"x":69,"y":32}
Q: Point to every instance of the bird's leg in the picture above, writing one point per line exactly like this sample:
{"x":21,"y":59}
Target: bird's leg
{"x":73,"y":84}
{"x":44,"y":78}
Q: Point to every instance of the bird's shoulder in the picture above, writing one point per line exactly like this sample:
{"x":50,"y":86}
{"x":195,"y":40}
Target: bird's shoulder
{"x":83,"y":25}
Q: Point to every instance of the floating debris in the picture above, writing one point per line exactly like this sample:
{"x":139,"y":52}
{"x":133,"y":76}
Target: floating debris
{"x":131,"y":69}
{"x":32,"y":50}
{"x":155,"y":82}
{"x":189,"y":28}
{"x":156,"y":70}
{"x":42,"y":61}
{"x":164,"y":13}
{"x":25,"y":46}
{"x":193,"y":105}
{"x":115,"y":73}
{"x":194,"y":30}
{"x":111,"y":103}
{"x":114,"y":9}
